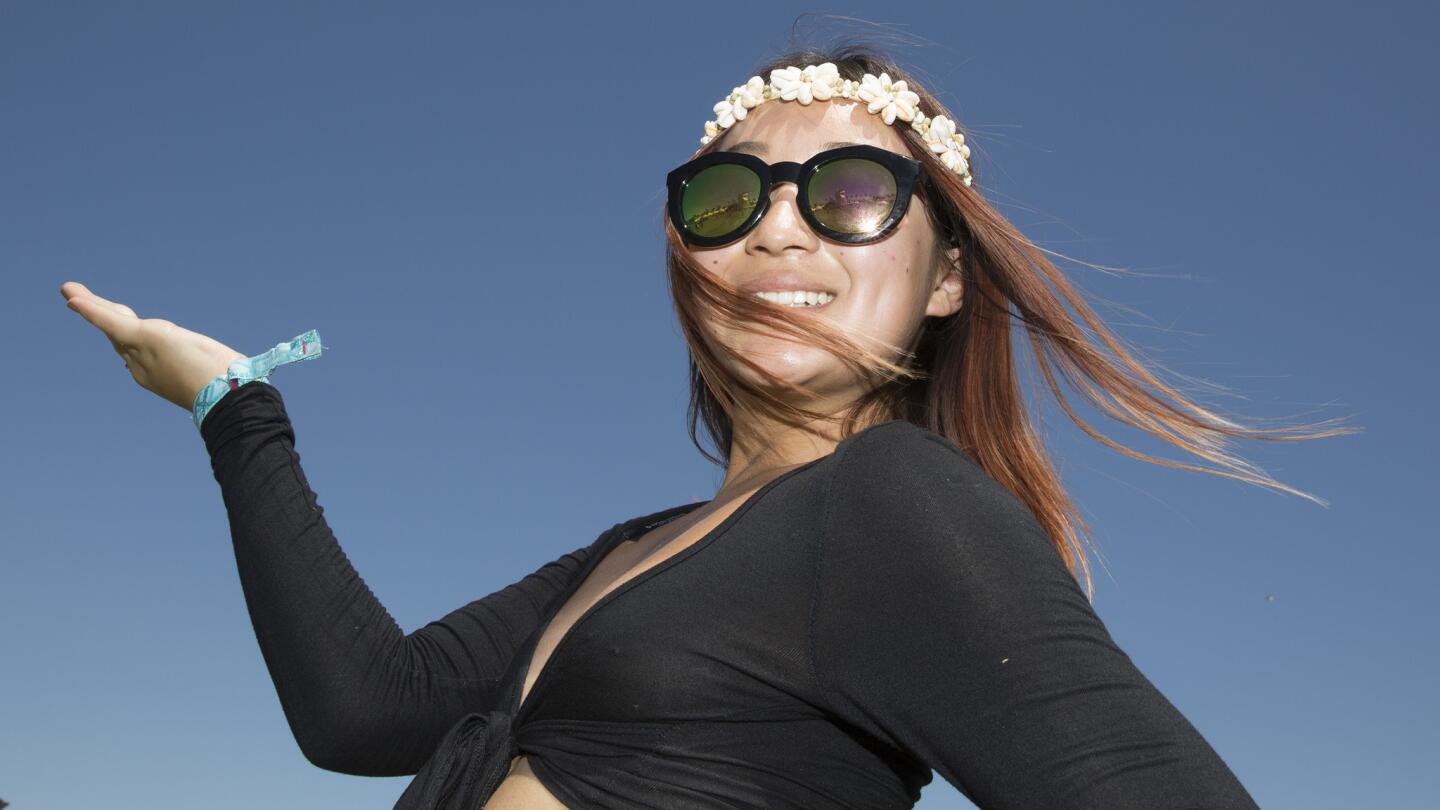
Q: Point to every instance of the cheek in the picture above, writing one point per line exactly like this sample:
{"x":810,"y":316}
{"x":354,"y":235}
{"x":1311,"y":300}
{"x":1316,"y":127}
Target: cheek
{"x":715,"y":261}
{"x":893,"y":271}
{"x":889,"y":288}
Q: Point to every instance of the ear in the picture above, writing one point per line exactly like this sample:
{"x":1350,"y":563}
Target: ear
{"x":949,"y":291}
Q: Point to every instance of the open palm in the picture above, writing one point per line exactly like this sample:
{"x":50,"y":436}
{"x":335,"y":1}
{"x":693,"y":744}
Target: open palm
{"x":165,"y":358}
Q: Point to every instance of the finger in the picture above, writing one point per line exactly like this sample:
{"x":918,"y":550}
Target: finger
{"x":120,"y":328}
{"x":76,"y":289}
{"x":114,"y":306}
{"x":70,"y":289}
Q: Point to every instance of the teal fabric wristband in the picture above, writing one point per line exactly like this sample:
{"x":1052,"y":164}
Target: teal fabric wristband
{"x":250,"y":369}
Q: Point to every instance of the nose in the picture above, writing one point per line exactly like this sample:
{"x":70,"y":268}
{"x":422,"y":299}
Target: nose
{"x":782,"y":227}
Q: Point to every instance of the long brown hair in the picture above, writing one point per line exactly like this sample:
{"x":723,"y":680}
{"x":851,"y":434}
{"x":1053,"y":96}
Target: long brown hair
{"x":959,"y":378}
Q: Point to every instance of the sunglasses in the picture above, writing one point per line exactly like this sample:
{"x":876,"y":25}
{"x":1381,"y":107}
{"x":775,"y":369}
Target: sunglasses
{"x":854,"y":194}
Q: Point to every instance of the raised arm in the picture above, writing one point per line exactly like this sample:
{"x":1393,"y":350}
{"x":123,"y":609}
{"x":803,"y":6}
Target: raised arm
{"x":360,"y":695}
{"x":948,"y":626}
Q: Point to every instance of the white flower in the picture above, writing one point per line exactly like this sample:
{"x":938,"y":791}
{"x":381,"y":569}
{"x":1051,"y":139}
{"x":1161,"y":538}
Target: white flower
{"x":948,"y":144}
{"x":814,"y":82}
{"x":940,"y":133}
{"x":738,"y":103}
{"x":891,"y":100}
{"x":955,"y":163}
{"x":751,"y":93}
{"x":725,"y":113}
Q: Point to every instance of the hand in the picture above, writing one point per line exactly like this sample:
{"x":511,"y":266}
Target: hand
{"x":166,"y":359}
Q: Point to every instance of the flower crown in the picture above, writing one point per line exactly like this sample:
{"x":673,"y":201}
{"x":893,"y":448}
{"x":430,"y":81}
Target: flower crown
{"x":822,"y":82}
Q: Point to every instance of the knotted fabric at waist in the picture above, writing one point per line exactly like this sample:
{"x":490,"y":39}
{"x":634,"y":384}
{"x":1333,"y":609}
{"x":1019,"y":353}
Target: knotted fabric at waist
{"x":467,"y":765}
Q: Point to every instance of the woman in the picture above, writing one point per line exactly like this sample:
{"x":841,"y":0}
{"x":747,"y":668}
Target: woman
{"x":884,"y":584}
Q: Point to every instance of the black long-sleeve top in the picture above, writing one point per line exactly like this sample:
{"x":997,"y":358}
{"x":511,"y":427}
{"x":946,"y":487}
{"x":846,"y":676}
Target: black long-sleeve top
{"x":877,"y":613}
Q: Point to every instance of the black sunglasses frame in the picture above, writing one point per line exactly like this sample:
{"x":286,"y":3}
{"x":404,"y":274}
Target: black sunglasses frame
{"x":905,"y":170}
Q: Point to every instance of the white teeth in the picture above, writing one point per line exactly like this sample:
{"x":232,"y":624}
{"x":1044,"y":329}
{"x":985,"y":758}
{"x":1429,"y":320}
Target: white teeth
{"x":798,"y":298}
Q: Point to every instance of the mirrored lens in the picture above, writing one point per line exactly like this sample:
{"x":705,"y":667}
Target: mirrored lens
{"x":852,"y":195}
{"x":719,"y":198}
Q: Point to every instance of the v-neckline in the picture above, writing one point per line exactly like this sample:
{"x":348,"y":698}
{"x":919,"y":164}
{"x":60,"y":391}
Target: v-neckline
{"x":627,"y":531}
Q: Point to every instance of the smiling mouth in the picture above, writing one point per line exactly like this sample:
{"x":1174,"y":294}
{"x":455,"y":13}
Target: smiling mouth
{"x":798,"y":299}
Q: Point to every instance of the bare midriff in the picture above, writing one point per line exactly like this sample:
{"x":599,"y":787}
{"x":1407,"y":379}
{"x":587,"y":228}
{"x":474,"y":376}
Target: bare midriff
{"x":521,"y":789}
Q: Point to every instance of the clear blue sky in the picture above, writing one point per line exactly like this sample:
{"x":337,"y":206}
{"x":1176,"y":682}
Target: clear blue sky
{"x":466,"y":203}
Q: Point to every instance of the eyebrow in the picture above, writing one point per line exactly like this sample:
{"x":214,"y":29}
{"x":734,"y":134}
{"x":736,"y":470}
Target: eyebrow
{"x":758,"y":148}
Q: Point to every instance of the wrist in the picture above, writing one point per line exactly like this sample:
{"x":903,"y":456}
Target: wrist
{"x":243,"y":370}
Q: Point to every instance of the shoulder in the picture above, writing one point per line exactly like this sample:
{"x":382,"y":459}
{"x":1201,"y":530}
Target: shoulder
{"x":921,"y":496}
{"x":902,"y":444}
{"x":899,"y":465}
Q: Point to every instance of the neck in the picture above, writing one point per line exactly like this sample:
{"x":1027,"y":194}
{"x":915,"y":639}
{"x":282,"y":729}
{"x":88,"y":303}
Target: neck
{"x":761,"y":450}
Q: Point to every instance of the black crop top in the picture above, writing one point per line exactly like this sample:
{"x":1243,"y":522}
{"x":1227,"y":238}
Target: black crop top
{"x":858,"y":621}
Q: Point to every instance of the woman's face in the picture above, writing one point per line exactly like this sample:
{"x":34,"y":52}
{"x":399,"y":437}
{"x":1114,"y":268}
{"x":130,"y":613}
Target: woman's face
{"x":883,"y":289}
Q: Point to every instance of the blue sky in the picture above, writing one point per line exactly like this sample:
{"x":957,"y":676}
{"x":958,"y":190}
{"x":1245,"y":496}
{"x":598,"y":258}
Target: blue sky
{"x":465,"y":201}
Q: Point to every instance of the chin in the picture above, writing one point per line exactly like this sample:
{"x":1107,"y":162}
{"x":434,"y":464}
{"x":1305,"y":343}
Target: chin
{"x":801,"y":365}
